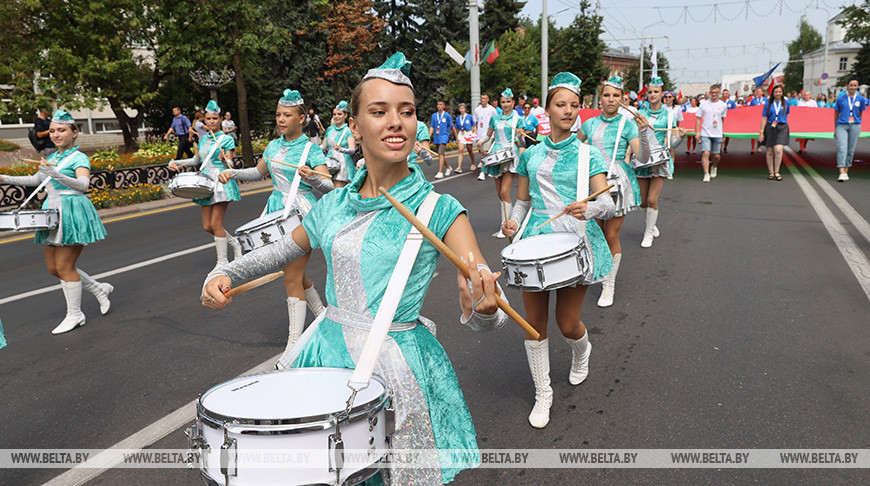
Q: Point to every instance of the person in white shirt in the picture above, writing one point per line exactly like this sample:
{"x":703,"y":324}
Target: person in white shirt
{"x":708,"y":131}
{"x":537,"y":109}
{"x":482,"y":114}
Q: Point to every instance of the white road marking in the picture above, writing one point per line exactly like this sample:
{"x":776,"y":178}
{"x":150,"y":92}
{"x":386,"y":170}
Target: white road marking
{"x":856,"y":260}
{"x":134,"y":266}
{"x":161,"y":428}
{"x":860,"y":223}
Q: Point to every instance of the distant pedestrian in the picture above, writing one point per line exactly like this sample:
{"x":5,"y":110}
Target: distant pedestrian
{"x":313,"y":127}
{"x":757,"y":99}
{"x":482,"y":114}
{"x":708,"y":131}
{"x":808,"y":102}
{"x":180,"y":126}
{"x":729,"y":104}
{"x":198,"y":131}
{"x":847,"y":111}
{"x":41,"y":127}
{"x":692,"y":108}
{"x":537,"y":109}
{"x":440,"y":127}
{"x":229,"y":127}
{"x":465,"y":132}
{"x":774,"y":130}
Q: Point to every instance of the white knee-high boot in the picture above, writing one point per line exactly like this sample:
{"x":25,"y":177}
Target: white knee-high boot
{"x":72,"y":292}
{"x":608,"y":287}
{"x":505,"y":210}
{"x":220,"y":245}
{"x":313,"y":300}
{"x":234,"y":244}
{"x":297,"y":310}
{"x":100,"y":290}
{"x":580,"y":351}
{"x":648,"y":235}
{"x":538,"y":354}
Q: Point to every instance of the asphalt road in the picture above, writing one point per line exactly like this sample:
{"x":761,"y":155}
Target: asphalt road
{"x":742,"y":327}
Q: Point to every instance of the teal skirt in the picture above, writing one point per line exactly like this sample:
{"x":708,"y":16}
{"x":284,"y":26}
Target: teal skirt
{"x":450,"y":418}
{"x":602,"y":259}
{"x":79,"y":223}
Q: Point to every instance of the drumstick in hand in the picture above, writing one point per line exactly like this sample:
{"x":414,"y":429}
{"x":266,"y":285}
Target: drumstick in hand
{"x":563,"y":213}
{"x":322,"y":176}
{"x":447,"y":252}
{"x":254,"y":283}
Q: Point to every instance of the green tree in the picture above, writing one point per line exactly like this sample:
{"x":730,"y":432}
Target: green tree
{"x":499,"y":16}
{"x":808,"y":39}
{"x":630,"y":79}
{"x":857,"y":25}
{"x":442,"y":21}
{"x":578,"y":48}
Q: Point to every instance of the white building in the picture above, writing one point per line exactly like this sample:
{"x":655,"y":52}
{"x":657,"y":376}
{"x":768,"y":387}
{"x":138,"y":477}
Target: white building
{"x":840,"y":59}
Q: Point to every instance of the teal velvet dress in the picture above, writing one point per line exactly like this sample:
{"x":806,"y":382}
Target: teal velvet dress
{"x":282,"y":175}
{"x":213,"y":165}
{"x":658,"y":138}
{"x":601,"y":133}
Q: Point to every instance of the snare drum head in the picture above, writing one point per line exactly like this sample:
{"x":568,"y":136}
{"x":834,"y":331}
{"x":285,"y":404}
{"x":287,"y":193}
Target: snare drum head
{"x":294,"y":393}
{"x":541,"y":246}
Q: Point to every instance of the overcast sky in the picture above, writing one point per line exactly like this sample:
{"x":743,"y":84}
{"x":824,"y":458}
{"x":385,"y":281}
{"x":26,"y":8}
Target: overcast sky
{"x":707,"y":60}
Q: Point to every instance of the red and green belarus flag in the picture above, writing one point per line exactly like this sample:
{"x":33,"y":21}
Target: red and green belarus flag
{"x":490,"y":53}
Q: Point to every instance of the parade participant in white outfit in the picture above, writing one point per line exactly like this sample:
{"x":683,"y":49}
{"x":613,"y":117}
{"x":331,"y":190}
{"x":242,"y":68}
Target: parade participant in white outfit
{"x":215,"y":153}
{"x":361,"y":236}
{"x":549,"y":176}
{"x":78,"y":222}
{"x":482,"y":115}
{"x":709,"y":131}
{"x":505,"y":129}
{"x":651,"y":179}
{"x":292,"y":147}
{"x":339,"y":145}
{"x":614,"y":134}
{"x":465,"y":132}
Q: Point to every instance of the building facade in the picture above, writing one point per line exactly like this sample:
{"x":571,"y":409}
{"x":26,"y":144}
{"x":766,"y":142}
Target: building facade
{"x":821,"y":73}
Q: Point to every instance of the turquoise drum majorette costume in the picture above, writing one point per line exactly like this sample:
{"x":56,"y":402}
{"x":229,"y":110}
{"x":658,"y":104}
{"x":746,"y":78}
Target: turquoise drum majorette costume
{"x":362,"y":239}
{"x":505,"y":134}
{"x":338,"y":136}
{"x":78,"y":221}
{"x":661,"y":118}
{"x":212,"y":164}
{"x":607,"y":134}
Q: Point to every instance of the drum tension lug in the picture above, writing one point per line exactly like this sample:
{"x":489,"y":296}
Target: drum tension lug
{"x":228,"y":462}
{"x":389,"y":420}
{"x":540,"y":269}
{"x":196,"y":445}
{"x":336,"y":456}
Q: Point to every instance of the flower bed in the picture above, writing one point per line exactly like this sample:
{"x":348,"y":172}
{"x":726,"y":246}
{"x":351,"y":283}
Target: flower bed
{"x":122,"y":197}
{"x":6,"y":146}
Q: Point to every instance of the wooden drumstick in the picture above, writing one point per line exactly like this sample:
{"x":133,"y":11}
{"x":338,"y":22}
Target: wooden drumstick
{"x":447,"y":252}
{"x":223,"y":153}
{"x":629,"y":108}
{"x":322,"y":176}
{"x":254,"y":283}
{"x":35,"y":161}
{"x":563,"y":213}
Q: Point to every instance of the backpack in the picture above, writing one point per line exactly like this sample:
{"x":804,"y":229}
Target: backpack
{"x":38,"y":143}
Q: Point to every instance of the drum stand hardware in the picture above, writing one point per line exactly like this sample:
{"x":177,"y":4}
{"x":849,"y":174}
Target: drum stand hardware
{"x":196,"y":445}
{"x":229,"y":446}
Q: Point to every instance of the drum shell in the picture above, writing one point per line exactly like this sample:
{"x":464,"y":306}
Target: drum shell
{"x":657,"y":157}
{"x":191,"y":185}
{"x":367,"y":428}
{"x":29,"y":220}
{"x":499,"y":157}
{"x":269,"y":231}
{"x":551,"y":272}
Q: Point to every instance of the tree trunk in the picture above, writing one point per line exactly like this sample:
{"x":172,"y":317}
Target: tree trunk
{"x":129,"y":125}
{"x":242,"y":92}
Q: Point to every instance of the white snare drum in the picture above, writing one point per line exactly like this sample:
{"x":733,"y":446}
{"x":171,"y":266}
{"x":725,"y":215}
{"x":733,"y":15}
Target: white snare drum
{"x":499,"y":157}
{"x":267,"y":229}
{"x":656,"y":157}
{"x":548,"y":261}
{"x":29,"y":220}
{"x":192,"y":185}
{"x":291,"y":412}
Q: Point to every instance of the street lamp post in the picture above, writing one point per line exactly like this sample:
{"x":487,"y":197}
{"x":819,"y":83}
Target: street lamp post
{"x":212,"y":79}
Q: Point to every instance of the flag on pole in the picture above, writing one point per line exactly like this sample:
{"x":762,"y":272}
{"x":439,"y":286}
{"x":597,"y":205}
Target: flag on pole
{"x":655,"y":62}
{"x":639,"y":95}
{"x":759,"y":80}
{"x":469,"y":60}
{"x":491,"y":52}
{"x":453,"y":53}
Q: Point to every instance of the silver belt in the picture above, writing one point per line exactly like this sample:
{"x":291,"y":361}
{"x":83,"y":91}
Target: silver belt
{"x":347,"y":318}
{"x":69,"y":192}
{"x":549,"y":212}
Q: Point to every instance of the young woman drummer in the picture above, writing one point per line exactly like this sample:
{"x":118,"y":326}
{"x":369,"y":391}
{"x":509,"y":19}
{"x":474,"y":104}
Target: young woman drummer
{"x":339,"y":145}
{"x":668,"y":136}
{"x":78,"y":222}
{"x":292,"y":147}
{"x":362,"y":236}
{"x":215,"y":153}
{"x":608,"y":131}
{"x":507,"y":128}
{"x":548,"y":185}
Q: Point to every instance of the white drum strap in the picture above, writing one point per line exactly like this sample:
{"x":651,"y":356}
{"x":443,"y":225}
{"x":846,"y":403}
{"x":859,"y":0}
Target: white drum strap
{"x":294,"y":185}
{"x":668,"y":133}
{"x":513,"y":127}
{"x":59,"y":166}
{"x":583,"y":152}
{"x":216,"y":145}
{"x":616,"y":146}
{"x":365,"y":365}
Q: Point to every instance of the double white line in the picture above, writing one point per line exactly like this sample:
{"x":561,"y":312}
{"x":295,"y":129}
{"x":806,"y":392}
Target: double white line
{"x":854,"y":257}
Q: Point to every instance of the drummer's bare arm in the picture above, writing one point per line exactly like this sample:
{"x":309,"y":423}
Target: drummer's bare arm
{"x":520,"y":209}
{"x":601,"y":207}
{"x":262,"y":261}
